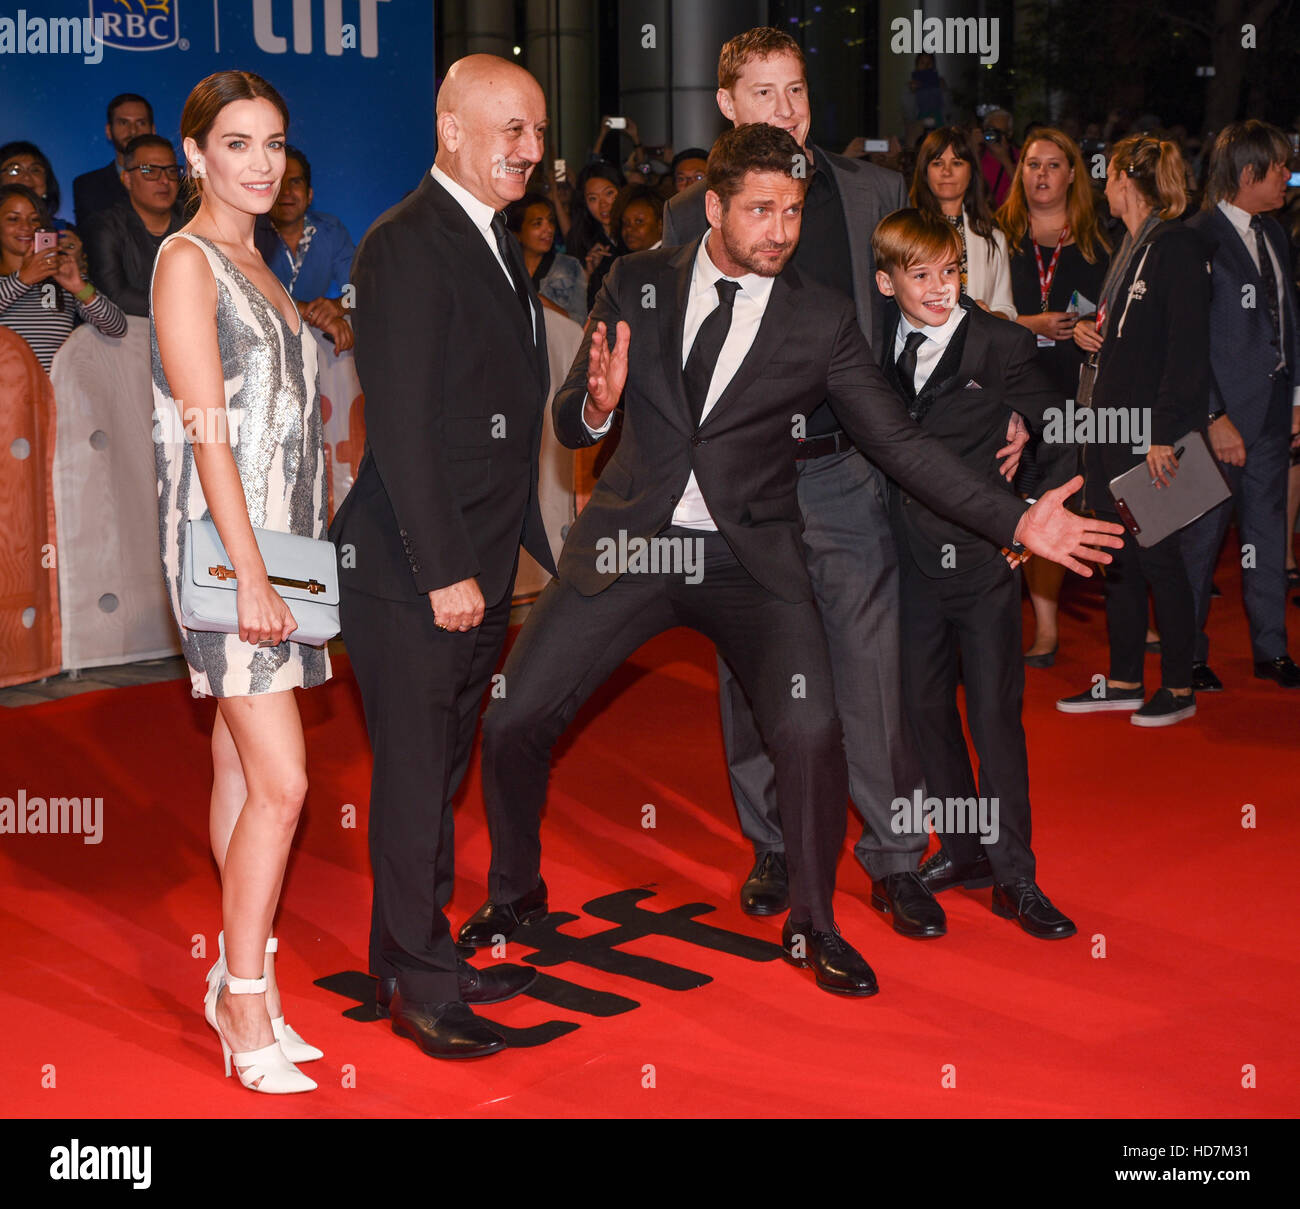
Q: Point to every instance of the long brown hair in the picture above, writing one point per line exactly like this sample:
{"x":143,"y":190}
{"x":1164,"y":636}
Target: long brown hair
{"x":975,"y":205}
{"x":1081,"y":212}
{"x":208,"y":98}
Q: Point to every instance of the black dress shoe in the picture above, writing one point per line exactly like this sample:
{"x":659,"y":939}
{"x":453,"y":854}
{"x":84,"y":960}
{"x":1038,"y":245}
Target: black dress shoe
{"x":445,"y":1030}
{"x":1204,"y":680}
{"x":767,"y":888}
{"x":1024,"y":902}
{"x":915,"y":912}
{"x":1281,"y":670}
{"x":839,"y":967}
{"x":501,"y":919}
{"x":492,"y":985}
{"x":940,"y":873}
{"x":1046,"y":659}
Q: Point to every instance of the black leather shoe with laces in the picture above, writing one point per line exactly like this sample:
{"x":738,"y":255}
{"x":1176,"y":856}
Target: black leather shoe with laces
{"x":940,"y":873}
{"x":767,"y":888}
{"x":905,"y":897}
{"x":839,"y":967}
{"x":1024,"y":902}
{"x":501,"y":919}
{"x":445,"y":1030}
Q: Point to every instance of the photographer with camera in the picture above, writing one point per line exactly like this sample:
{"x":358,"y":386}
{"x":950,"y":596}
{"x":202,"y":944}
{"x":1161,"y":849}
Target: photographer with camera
{"x":999,"y":155}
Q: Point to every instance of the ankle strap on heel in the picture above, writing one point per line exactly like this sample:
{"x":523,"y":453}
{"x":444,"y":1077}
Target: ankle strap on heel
{"x":272,"y":944}
{"x":245,"y":986}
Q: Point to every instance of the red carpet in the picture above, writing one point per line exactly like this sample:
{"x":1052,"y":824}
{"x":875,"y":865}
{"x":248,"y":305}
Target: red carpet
{"x":1138,"y":833}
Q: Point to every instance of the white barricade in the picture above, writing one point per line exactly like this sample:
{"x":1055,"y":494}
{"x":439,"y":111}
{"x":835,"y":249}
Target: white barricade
{"x":113,"y":607}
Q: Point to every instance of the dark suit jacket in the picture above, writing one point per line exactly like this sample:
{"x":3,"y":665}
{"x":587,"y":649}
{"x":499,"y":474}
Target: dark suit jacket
{"x":1242,"y":356}
{"x":121,"y":255}
{"x":807,"y":348}
{"x":93,"y":192}
{"x":988,"y":370}
{"x":867,"y":192}
{"x":1156,"y":353}
{"x":455,"y":392}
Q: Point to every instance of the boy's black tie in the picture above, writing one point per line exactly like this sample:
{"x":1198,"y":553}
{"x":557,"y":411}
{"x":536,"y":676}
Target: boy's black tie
{"x":907,"y":363}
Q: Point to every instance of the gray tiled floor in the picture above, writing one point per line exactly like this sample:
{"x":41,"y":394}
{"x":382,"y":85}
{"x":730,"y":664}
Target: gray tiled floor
{"x":68,"y":684}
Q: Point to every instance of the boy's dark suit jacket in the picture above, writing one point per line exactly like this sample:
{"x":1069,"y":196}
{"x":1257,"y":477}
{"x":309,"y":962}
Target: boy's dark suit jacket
{"x":807,"y":348}
{"x":988,"y":370}
{"x":455,"y":400}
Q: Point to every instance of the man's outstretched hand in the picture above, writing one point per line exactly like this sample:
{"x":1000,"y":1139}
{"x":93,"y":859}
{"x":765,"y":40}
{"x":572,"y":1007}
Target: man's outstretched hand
{"x":1050,"y":530}
{"x":606,"y":374}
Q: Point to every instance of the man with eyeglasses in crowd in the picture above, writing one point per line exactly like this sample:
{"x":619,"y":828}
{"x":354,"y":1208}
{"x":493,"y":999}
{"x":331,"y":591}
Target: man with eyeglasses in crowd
{"x":123,"y":241}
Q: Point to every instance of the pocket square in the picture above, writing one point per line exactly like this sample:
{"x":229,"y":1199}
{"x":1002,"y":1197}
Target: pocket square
{"x":972,"y":385}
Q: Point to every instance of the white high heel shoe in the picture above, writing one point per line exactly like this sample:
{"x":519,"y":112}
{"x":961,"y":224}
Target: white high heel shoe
{"x":295,"y":1048}
{"x":266,"y":1069}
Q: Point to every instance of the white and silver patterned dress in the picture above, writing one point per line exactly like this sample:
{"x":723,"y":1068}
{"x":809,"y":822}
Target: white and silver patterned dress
{"x":276,"y":437}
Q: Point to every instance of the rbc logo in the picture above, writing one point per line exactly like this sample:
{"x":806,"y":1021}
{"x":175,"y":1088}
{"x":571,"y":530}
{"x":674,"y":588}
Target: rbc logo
{"x":339,"y":36}
{"x":137,"y":24}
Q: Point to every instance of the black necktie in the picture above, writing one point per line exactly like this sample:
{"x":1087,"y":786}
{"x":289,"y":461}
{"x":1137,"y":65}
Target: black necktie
{"x":706,"y":350}
{"x":1270,"y":279}
{"x":906,"y":363}
{"x":512,"y":258}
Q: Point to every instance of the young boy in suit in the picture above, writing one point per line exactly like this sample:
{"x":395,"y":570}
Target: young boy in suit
{"x":961,"y":370}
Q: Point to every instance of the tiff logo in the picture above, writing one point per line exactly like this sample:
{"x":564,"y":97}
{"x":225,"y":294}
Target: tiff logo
{"x":338,"y":36}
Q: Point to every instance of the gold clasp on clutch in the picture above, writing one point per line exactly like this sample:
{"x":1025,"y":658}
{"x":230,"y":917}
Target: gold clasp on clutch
{"x":306,"y":585}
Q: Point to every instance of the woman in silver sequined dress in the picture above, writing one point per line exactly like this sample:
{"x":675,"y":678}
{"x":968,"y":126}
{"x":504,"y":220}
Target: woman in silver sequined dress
{"x":234,"y":361}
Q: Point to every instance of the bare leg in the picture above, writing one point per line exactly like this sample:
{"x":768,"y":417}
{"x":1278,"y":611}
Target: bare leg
{"x":229,"y":792}
{"x":253,"y":848}
{"x":1044,"y":578}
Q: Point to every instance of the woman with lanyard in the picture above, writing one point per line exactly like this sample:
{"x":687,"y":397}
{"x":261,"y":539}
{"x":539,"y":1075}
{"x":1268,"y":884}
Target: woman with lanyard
{"x":1058,"y":256}
{"x":1151,"y":338}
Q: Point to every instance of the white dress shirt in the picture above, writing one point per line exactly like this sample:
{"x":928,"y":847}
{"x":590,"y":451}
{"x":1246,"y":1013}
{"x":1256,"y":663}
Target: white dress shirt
{"x":747,"y":313}
{"x":932,"y":349}
{"x":481,"y":216}
{"x":1240,"y":220}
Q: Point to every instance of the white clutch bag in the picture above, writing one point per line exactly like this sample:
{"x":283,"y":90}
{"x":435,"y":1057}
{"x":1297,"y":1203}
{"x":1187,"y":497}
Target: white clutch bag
{"x":303,"y":570}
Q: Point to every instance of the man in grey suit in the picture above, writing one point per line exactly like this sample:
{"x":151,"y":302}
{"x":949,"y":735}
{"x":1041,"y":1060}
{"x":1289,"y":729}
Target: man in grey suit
{"x":848,"y":542}
{"x":1255,"y":390}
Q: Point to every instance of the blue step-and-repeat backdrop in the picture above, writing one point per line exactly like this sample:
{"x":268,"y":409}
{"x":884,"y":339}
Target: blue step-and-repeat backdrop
{"x":358,"y":77}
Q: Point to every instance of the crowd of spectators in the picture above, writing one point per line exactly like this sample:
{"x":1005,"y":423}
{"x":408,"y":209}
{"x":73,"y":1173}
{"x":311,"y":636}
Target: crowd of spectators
{"x":1033,"y":204}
